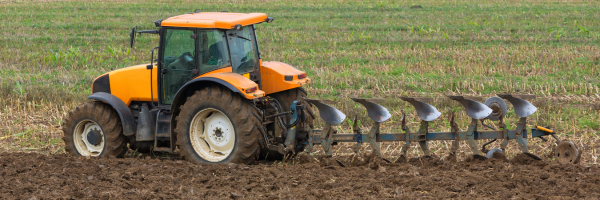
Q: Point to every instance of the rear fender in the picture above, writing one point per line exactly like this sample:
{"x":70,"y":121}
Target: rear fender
{"x":190,"y":87}
{"x":278,"y":76}
{"x":234,"y":82}
{"x":127,"y":120}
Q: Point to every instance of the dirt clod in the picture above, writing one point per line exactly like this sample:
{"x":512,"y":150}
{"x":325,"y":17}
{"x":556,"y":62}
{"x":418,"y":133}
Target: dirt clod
{"x":426,"y":161}
{"x":305,"y":158}
{"x":450,"y":158}
{"x":499,"y":156}
{"x":524,"y":159}
{"x":330,"y":162}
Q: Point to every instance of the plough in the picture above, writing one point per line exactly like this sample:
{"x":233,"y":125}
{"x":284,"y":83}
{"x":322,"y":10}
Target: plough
{"x":493,"y":109}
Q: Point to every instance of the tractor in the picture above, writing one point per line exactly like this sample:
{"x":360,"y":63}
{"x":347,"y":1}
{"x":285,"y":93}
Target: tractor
{"x":207,"y":95}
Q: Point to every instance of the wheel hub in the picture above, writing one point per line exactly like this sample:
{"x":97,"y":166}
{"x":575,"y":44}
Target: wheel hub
{"x":94,"y":137}
{"x":89,"y":138}
{"x":217,"y":133}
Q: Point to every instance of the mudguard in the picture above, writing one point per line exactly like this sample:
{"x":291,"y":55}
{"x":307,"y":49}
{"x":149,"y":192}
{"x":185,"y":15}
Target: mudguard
{"x":127,"y":120}
{"x":278,"y":76}
{"x":200,"y":81}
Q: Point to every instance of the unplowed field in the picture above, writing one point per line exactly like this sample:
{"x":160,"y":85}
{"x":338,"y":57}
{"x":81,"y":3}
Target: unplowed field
{"x":37,"y":176}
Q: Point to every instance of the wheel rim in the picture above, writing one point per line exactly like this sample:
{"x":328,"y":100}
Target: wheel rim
{"x":88,"y":138}
{"x":212,"y":135}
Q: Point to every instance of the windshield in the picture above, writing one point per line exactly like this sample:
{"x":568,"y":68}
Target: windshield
{"x":242,"y":49}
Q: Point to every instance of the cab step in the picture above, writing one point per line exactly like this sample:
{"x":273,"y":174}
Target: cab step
{"x":162,"y":138}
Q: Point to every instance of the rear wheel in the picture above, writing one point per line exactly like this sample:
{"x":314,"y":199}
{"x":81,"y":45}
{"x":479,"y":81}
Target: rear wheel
{"x":285,"y":99}
{"x":94,"y":129}
{"x":218,"y":126}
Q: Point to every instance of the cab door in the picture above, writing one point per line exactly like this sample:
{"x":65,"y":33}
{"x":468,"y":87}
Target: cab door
{"x":179,"y":61}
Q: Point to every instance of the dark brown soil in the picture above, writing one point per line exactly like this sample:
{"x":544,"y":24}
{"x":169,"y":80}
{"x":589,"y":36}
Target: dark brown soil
{"x":30,"y":175}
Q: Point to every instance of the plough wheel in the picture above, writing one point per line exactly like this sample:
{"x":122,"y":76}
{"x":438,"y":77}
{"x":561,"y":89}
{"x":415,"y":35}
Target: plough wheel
{"x":567,"y":152}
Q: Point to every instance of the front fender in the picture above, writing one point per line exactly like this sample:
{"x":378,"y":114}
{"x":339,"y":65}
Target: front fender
{"x":127,"y":120}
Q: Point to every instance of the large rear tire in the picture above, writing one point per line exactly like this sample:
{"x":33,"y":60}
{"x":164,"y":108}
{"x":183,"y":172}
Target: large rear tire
{"x":217,"y":126}
{"x":94,"y":129}
{"x":285,"y":99}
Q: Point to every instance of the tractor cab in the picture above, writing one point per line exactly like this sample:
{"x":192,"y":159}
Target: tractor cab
{"x":198,"y":43}
{"x":187,"y":53}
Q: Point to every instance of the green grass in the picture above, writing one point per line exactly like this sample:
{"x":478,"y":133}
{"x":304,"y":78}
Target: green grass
{"x":50,"y":53}
{"x":491,"y":42}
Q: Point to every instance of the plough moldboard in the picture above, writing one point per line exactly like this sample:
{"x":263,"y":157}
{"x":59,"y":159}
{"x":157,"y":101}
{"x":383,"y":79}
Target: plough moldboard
{"x":493,"y":109}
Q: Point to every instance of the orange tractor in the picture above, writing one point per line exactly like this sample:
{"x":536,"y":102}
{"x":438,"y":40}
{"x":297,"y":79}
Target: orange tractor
{"x":209,"y":94}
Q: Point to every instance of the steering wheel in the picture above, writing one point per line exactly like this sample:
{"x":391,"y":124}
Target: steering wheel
{"x":187,"y":59}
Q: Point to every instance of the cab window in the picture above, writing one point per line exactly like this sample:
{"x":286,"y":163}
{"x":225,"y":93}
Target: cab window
{"x":213,"y":50}
{"x":242,"y":49}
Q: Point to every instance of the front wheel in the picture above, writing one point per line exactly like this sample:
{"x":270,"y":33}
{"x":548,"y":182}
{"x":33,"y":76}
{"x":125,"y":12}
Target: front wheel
{"x":218,"y":126}
{"x":94,"y":129}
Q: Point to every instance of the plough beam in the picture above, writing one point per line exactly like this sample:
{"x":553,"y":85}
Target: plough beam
{"x":431,"y":136}
{"x":493,"y":109}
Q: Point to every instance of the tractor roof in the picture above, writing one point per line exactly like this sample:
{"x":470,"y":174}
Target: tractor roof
{"x":221,"y":20}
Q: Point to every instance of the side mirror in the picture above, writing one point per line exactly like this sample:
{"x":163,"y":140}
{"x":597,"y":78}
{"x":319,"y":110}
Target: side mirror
{"x":132,"y":35}
{"x":269,"y":19}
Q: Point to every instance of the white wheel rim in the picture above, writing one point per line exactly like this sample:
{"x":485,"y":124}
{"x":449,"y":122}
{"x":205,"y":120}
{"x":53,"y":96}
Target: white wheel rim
{"x":212,"y":135}
{"x":83,"y":146}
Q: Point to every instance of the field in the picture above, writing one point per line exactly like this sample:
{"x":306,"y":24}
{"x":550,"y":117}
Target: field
{"x":58,"y":176}
{"x":52,"y":50}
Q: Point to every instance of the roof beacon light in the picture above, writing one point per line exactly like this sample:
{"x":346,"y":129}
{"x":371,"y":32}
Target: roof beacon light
{"x":158,"y":22}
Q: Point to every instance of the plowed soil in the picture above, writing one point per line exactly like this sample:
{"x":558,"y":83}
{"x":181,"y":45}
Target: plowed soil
{"x":36,"y":176}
